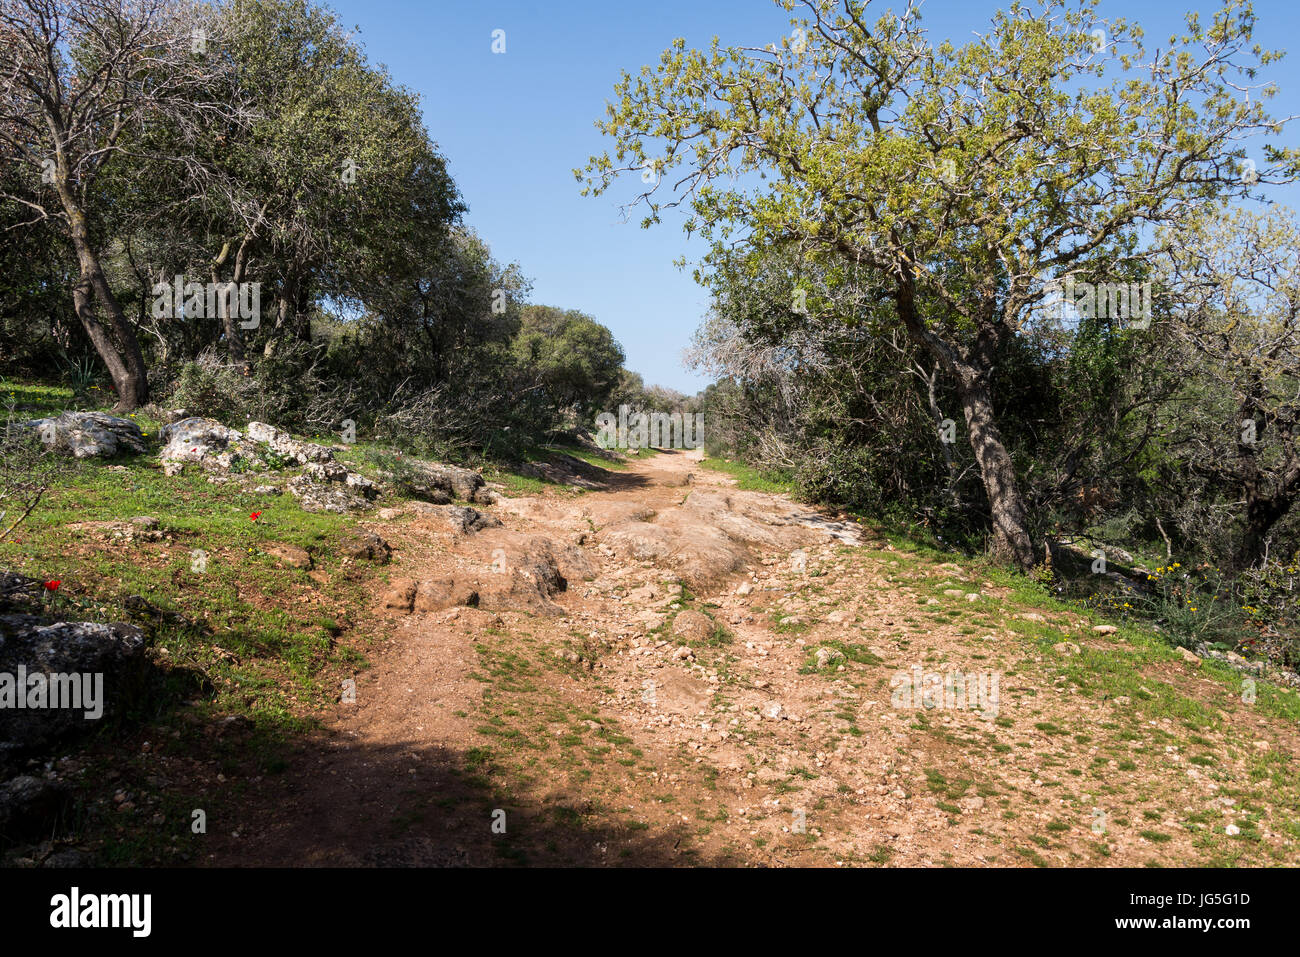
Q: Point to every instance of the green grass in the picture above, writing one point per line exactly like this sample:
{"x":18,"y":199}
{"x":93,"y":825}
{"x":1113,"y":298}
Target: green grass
{"x":237,"y":620}
{"x":608,"y":460}
{"x":516,"y":484}
{"x":31,"y":400}
{"x":842,"y":654}
{"x":749,"y":479}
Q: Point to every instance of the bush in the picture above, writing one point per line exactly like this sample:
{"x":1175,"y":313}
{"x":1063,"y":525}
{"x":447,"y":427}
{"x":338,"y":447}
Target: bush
{"x":25,"y":470}
{"x":1269,"y":594}
{"x":216,"y":389}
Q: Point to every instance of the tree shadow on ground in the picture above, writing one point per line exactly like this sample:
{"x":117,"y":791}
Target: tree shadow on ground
{"x":343,"y":804}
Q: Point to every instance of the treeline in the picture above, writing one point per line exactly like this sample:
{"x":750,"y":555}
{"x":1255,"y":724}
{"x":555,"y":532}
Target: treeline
{"x":224,"y":207}
{"x":1029,"y":289}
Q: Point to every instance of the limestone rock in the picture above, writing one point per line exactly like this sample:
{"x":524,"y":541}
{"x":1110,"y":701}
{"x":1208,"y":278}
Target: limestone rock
{"x":325,"y":497}
{"x":287,"y":445}
{"x":444,"y":593}
{"x":439,"y":484}
{"x":205,"y":441}
{"x":65,"y":648}
{"x":89,"y":434}
{"x":30,"y":808}
{"x":466,"y":521}
{"x":401,"y":595}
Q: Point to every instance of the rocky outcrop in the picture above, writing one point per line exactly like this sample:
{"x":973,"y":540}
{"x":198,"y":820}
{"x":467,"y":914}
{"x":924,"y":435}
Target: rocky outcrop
{"x":104,"y":659}
{"x":89,"y":434}
{"x":466,"y":521}
{"x":333,"y":490}
{"x":712,"y":534}
{"x":290,"y":555}
{"x":286,"y":445}
{"x":444,"y":593}
{"x":30,"y":808}
{"x":142,"y":528}
{"x":262,"y":447}
{"x":691,"y":625}
{"x":533,"y":572}
{"x":324,"y":484}
{"x":440,"y":484}
{"x":203,"y":441}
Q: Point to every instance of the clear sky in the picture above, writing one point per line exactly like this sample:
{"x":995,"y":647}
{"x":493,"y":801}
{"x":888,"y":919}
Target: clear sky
{"x":514,"y":126}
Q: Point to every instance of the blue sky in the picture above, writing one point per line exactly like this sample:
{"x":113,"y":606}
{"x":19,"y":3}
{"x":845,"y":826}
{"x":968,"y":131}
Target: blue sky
{"x":514,"y":126}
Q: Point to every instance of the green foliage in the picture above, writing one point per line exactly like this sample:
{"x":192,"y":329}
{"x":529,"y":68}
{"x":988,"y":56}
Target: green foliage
{"x":747,"y":477}
{"x":570,"y":355}
{"x":1192,"y":605}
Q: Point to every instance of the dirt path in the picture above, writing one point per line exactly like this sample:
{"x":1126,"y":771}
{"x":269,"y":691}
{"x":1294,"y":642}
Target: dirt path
{"x":723,"y":679}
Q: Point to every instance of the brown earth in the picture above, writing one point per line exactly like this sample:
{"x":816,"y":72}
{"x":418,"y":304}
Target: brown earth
{"x":661,"y":669}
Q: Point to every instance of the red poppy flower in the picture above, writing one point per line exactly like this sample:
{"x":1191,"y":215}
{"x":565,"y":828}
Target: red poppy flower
{"x":254,"y":516}
{"x":52,"y":585}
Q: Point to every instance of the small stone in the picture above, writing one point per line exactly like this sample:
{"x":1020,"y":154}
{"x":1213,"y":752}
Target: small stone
{"x":827,"y":656}
{"x":693,"y":625}
{"x":290,"y":555}
{"x":366,"y":546}
{"x":401,"y":596}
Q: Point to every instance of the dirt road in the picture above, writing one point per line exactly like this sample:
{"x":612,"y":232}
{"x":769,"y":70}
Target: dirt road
{"x":660,"y":669}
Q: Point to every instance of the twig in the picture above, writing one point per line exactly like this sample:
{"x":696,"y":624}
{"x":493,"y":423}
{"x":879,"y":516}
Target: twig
{"x":23,"y":517}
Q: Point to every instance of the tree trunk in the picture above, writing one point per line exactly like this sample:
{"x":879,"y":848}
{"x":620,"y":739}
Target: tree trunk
{"x":949,"y":462}
{"x":972,"y":369}
{"x":1265,"y":506}
{"x":235,"y":350}
{"x":1011,"y":539}
{"x":1267,"y":502}
{"x":116,"y":344}
{"x":1261,"y":515}
{"x":286,"y":318}
{"x":83,"y":300}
